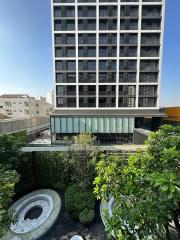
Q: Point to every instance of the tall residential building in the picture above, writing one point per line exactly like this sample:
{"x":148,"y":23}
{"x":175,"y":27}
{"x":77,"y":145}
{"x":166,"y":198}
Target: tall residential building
{"x":24,"y":106}
{"x":50,"y":97}
{"x":107,"y":59}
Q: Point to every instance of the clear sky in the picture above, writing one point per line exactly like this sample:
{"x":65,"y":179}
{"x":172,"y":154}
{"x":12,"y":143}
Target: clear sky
{"x":25,"y":49}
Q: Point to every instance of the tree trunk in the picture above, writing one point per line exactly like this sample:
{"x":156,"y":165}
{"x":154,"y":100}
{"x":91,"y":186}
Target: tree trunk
{"x":176,"y":222}
{"x":168,"y":236}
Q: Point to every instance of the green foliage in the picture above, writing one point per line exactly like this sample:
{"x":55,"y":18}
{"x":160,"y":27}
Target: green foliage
{"x":8,"y":179}
{"x":10,"y":155}
{"x":76,"y":200}
{"x":52,"y":170}
{"x":21,"y":136}
{"x":86,"y":216}
{"x":82,"y":157}
{"x":146,"y":188}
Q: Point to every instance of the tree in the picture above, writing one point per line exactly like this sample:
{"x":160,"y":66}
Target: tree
{"x":8,"y":179}
{"x":10,"y":154}
{"x":145,"y":188}
{"x":82,"y":156}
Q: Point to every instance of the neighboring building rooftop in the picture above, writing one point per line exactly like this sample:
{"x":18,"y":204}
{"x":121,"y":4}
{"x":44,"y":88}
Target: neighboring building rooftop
{"x":14,"y":96}
{"x":3,"y":116}
{"x":173,"y":113}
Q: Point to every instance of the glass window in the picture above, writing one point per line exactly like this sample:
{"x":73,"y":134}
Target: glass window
{"x":131,"y":125}
{"x":71,"y":52}
{"x":119,"y":125}
{"x":70,"y":39}
{"x":125,"y":125}
{"x":106,"y":125}
{"x":57,"y":125}
{"x":71,"y":65}
{"x":69,"y":125}
{"x":63,"y":125}
{"x":82,"y":122}
{"x":52,"y":125}
{"x":100,"y":125}
{"x":76,"y":125}
{"x":112,"y":125}
{"x":88,"y":125}
{"x":94,"y":125}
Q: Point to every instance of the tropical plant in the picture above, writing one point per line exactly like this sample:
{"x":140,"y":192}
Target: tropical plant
{"x":86,"y":216}
{"x":10,"y":154}
{"x":146,"y":188}
{"x":77,"y":201}
{"x":8,"y":179}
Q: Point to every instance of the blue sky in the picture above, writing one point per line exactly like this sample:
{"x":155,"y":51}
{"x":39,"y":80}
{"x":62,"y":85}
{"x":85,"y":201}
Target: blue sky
{"x":25,"y":49}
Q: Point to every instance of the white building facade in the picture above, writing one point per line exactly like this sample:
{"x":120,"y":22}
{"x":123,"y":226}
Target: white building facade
{"x":24,"y":106}
{"x":50,"y":97}
{"x":107,"y":58}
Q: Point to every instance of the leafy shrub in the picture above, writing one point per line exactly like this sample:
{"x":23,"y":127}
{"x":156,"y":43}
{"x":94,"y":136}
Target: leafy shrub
{"x":86,"y":216}
{"x":69,"y":200}
{"x":76,"y":201}
{"x":51,"y":170}
{"x":8,"y":180}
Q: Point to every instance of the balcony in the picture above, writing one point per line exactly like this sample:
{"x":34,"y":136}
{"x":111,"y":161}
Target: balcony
{"x":151,"y":24}
{"x":128,"y":39}
{"x":130,"y":65}
{"x":129,"y":12}
{"x":87,"y":90}
{"x":151,"y":12}
{"x":127,"y":77}
{"x":107,"y":90}
{"x":149,"y":52}
{"x":148,"y":91}
{"x":87,"y":102}
{"x":127,"y":91}
{"x":107,"y":102}
{"x":107,"y":77}
{"x":147,"y":102}
{"x":149,"y":66}
{"x":129,"y":25}
{"x":66,"y":102}
{"x":126,"y":102}
{"x":128,"y":51}
{"x":148,"y":77}
{"x":150,"y":40}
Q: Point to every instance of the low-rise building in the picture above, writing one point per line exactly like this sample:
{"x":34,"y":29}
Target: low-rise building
{"x":173,"y":115}
{"x":24,"y":106}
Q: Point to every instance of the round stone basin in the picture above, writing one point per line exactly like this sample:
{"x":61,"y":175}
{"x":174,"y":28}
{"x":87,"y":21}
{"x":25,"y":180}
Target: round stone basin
{"x":35,"y":213}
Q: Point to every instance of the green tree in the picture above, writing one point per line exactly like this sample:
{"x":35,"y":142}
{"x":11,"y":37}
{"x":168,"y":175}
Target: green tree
{"x":10,"y":154}
{"x":82,"y":156}
{"x":52,"y":170}
{"x":145,"y":188}
{"x":8,"y":179}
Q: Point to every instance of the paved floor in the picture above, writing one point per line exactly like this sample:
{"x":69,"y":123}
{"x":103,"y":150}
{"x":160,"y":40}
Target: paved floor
{"x":66,"y":226}
{"x":62,"y":148}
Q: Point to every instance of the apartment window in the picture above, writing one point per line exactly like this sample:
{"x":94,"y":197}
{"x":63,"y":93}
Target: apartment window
{"x":70,"y":39}
{"x":87,"y":77}
{"x":107,"y":65}
{"x":87,"y":24}
{"x":26,"y":104}
{"x":8,"y":104}
{"x":70,"y":52}
{"x":107,"y":77}
{"x":87,"y":65}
